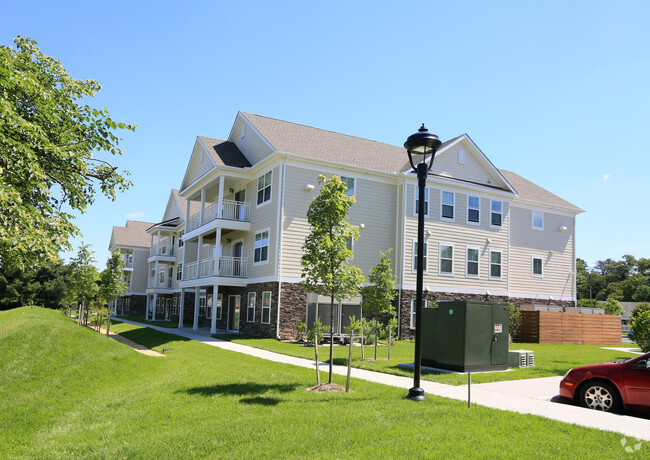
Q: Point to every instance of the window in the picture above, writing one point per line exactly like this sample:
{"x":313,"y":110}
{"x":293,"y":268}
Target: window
{"x":261,"y":247}
{"x":495,"y":264}
{"x":496,"y":215}
{"x":413,"y":301}
{"x":473,"y":210}
{"x":537,"y":267}
{"x":415,"y":256}
{"x":250,"y":308}
{"x":350,"y":183}
{"x":264,"y":188}
{"x":219,"y":305}
{"x":417,"y":201}
{"x":447,"y":206}
{"x":208,"y":310}
{"x":446,"y":259}
{"x":180,"y":239}
{"x":266,"y":307}
{"x":179,"y":272}
{"x":202,"y":305}
{"x":175,"y":306}
{"x":538,"y":220}
{"x":471,"y":270}
{"x":161,"y":274}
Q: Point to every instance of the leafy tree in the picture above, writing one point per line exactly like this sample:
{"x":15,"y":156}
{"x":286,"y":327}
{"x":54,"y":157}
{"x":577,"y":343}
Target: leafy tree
{"x":84,"y":280}
{"x":351,"y":329}
{"x":643,"y":306}
{"x":325,"y":261}
{"x":613,"y":307}
{"x":47,"y":165}
{"x":640,"y":326}
{"x":112,"y":283}
{"x":378,"y":296}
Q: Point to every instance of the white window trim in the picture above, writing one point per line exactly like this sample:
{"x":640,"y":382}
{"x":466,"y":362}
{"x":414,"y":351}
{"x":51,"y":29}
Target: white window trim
{"x":413,"y":256}
{"x":440,"y":272}
{"x":427,"y":200}
{"x":491,"y":212}
{"x":532,"y":267}
{"x":269,"y":307}
{"x":448,"y":219}
{"x":478,"y":262}
{"x":354,"y":184}
{"x":268,"y":250}
{"x":219,"y":306}
{"x":205,"y":304}
{"x":532,"y":222}
{"x":257,"y":190}
{"x":248,"y":305}
{"x":412,"y":315}
{"x":469,"y":222}
{"x":499,"y":278}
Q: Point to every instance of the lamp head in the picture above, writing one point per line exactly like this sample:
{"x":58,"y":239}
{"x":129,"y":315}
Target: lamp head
{"x":422,"y":143}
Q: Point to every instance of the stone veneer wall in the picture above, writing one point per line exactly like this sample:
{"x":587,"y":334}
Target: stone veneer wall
{"x":292,"y":311}
{"x":256,"y":327}
{"x":137,"y":305}
{"x":407,"y":295}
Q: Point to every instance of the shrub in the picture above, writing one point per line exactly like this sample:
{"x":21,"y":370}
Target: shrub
{"x":613,"y":307}
{"x":515,"y":319}
{"x":641,"y":330}
{"x":588,"y":303}
{"x":643,"y":306}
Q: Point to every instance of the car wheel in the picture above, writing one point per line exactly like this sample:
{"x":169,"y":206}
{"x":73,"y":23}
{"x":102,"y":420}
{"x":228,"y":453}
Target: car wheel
{"x":600,"y":396}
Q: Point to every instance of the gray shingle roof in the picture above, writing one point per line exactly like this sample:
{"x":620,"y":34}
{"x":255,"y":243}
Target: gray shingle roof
{"x":133,"y":234}
{"x":224,"y":152}
{"x":195,"y":206}
{"x":533,"y":192}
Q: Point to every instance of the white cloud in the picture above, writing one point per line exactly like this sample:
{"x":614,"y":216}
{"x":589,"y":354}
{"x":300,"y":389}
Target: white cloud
{"x":135,"y":215}
{"x":606,"y":177}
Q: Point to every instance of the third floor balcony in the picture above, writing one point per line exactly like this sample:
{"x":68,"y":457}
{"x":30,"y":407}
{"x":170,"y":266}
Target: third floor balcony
{"x":230,"y":215}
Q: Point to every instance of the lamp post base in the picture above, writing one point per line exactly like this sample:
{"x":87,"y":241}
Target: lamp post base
{"x":416,"y":394}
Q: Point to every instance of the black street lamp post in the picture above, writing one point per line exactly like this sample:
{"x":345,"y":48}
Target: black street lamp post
{"x":421,"y":143}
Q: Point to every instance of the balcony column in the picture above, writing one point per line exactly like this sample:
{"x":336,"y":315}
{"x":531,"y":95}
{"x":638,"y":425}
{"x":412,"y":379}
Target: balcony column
{"x":146,"y":309}
{"x":215,"y":296}
{"x":151,"y":245}
{"x":217,"y":253}
{"x":198,"y":256}
{"x":155,"y":280}
{"x":197,"y":293}
{"x":202,"y":206}
{"x":181,"y":310}
{"x":220,"y":200}
{"x":158,"y":243}
{"x":153,"y":309}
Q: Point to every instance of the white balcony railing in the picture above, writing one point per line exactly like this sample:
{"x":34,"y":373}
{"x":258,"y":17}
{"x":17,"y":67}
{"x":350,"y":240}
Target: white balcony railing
{"x":230,"y":267}
{"x":166,"y":249}
{"x":232,"y":210}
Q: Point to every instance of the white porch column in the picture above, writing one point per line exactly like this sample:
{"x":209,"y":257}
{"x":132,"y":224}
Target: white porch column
{"x":198,"y":256}
{"x":146,"y":310}
{"x":158,"y":243}
{"x":202,"y":206}
{"x":220,"y":205}
{"x":197,"y":293}
{"x":153,"y":309}
{"x":181,"y":310}
{"x":215,"y":296}
{"x":151,"y":245}
{"x":217,"y":253}
{"x":155,"y":279}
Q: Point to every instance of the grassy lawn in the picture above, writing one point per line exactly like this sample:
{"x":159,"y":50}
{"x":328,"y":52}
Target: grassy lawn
{"x":550,"y":359}
{"x":68,"y":391}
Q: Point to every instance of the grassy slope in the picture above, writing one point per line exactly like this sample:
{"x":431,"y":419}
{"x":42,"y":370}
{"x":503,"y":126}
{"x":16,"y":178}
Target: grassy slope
{"x":68,"y":391}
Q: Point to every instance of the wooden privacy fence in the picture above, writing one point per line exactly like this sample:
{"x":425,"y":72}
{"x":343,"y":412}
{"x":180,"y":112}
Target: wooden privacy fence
{"x":562,"y":327}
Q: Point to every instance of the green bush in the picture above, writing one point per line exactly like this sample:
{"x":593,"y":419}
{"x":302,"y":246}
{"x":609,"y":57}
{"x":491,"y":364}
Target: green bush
{"x":643,"y":306}
{"x":588,"y":303}
{"x":613,"y":307}
{"x":641,"y":330}
{"x":515,"y":319}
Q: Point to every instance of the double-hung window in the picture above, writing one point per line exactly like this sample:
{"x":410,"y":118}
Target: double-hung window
{"x":472,"y":267}
{"x":473,"y":210}
{"x":261,"y":247}
{"x":413,"y":311}
{"x":495,"y":265}
{"x":446,"y":259}
{"x":417,"y":201}
{"x":219,"y":306}
{"x":350,"y":184}
{"x":264,"y":188}
{"x":266,"y":307}
{"x":496,"y":213}
{"x":538,"y":220}
{"x":202,"y":302}
{"x":250,"y":308}
{"x":179,"y":272}
{"x":447,"y":205}
{"x":180,"y":239}
{"x":537,"y":267}
{"x":414,"y":267}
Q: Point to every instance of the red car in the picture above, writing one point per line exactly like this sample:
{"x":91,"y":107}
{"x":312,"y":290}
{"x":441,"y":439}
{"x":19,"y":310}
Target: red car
{"x":610,"y":386}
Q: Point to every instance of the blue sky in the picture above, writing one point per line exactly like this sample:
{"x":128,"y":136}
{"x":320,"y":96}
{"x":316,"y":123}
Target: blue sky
{"x":558,"y":92}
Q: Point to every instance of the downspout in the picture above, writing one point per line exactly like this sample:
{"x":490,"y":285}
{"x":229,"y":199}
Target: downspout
{"x":278,"y":243}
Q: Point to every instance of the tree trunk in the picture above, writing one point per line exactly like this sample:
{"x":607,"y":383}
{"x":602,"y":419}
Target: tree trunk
{"x":347,"y":383}
{"x":363,"y":354}
{"x":108,"y":325}
{"x":376,"y":338}
{"x":331,"y":338}
{"x":390,"y":338}
{"x":316,"y":351}
{"x":79,"y":320}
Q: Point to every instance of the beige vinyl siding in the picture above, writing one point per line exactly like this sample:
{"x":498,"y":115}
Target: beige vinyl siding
{"x":254,"y":148}
{"x":446,"y":164}
{"x":557,"y":279}
{"x":375,"y":208}
{"x":139,"y":274}
{"x":200,"y":164}
{"x":460,"y":235}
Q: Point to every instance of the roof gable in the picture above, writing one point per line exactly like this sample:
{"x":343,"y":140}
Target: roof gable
{"x":533,"y":193}
{"x":134,"y":233}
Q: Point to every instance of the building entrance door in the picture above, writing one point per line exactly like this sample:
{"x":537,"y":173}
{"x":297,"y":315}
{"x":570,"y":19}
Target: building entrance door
{"x":233,"y":312}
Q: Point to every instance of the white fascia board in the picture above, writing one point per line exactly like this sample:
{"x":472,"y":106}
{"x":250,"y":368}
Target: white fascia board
{"x":523,"y":295}
{"x":205,"y":150}
{"x":437,"y":182}
{"x":116,"y":247}
{"x":535,"y":205}
{"x":251,"y":126}
{"x":453,"y":290}
{"x":212,"y":175}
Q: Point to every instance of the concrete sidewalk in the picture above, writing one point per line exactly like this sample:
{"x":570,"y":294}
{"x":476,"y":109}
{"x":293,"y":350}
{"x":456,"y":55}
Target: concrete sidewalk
{"x":532,"y":396}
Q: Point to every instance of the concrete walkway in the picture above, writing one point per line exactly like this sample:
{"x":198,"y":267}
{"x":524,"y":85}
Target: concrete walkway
{"x":532,"y":396}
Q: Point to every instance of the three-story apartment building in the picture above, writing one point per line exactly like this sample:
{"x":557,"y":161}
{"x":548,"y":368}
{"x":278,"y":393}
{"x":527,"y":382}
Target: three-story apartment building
{"x":490,"y":234}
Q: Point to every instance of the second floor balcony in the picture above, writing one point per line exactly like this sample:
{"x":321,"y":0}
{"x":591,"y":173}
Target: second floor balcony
{"x":231,"y":211}
{"x":164,"y":250}
{"x":229,"y":267}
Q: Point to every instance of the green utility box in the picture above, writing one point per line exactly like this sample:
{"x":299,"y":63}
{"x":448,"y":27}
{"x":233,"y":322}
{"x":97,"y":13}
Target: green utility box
{"x":466,"y":336}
